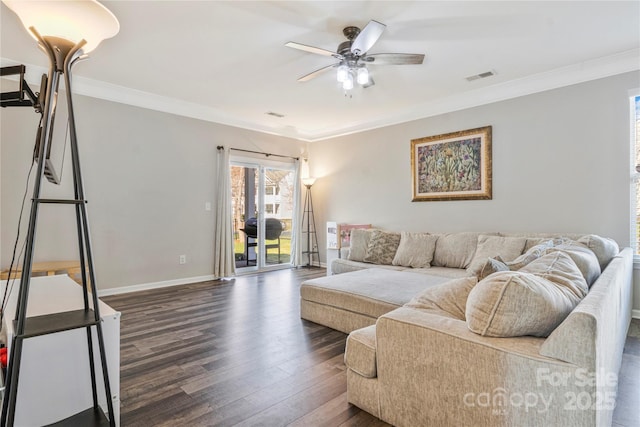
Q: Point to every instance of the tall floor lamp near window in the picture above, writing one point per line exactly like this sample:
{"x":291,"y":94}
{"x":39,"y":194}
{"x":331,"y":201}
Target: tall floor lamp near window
{"x":66,"y":31}
{"x":310,"y":230}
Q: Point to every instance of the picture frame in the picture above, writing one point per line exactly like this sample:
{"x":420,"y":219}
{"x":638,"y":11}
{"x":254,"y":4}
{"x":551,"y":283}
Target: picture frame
{"x":452,"y":166}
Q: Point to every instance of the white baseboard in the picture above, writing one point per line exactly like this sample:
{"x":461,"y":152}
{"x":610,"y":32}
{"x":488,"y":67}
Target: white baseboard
{"x":154,"y":285}
{"x":635,"y":314}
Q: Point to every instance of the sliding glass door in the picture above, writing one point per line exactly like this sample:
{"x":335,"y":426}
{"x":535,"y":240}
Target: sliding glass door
{"x":263,"y":206}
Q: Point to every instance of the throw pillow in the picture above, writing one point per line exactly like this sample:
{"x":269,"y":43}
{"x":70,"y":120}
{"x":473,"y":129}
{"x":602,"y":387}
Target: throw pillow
{"x":359,"y":242}
{"x":493,"y":265}
{"x":415,"y":250}
{"x":533,"y":302}
{"x":603,"y":247}
{"x":560,"y":269}
{"x":382,"y":247}
{"x":530,"y":255}
{"x":508,"y":248}
{"x":455,"y":250}
{"x":450,"y":297}
{"x":584,"y":258}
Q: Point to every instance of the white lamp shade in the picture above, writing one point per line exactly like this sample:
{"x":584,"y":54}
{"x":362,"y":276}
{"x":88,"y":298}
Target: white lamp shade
{"x":70,"y":20}
{"x":308,"y":182}
{"x":342,"y":73}
{"x":363,"y":76}
{"x":347,"y":84}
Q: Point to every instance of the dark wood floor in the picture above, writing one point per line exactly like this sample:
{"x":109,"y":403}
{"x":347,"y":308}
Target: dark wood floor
{"x":237,"y":353}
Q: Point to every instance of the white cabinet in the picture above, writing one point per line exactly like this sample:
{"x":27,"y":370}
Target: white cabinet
{"x":55,"y":378}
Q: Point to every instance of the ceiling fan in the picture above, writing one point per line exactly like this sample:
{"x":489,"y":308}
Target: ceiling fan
{"x":353,"y":57}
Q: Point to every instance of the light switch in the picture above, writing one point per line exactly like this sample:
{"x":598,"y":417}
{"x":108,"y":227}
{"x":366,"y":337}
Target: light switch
{"x":207,"y":206}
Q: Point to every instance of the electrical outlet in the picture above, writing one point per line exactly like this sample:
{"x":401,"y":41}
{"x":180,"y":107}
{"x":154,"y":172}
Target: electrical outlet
{"x":183,"y":259}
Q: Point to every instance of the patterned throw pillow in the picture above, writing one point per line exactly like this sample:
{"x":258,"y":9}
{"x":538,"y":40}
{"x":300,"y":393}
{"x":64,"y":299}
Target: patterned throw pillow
{"x":382,"y":247}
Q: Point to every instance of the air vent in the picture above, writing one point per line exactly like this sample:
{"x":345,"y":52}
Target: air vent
{"x":481,"y":76}
{"x":271,"y":113}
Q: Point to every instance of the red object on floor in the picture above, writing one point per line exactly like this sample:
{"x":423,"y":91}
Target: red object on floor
{"x":3,"y":357}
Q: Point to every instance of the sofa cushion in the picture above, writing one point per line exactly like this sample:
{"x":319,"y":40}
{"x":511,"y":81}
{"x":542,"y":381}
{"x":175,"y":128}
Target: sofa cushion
{"x":456,"y":249}
{"x":532,"y":254}
{"x":339,"y":266}
{"x":382,"y":247}
{"x":604,"y":248}
{"x":492,"y":265}
{"x":560,"y":269}
{"x":449,"y":297}
{"x":452,"y":273}
{"x":360,"y":352}
{"x":508,"y":248}
{"x":359,"y":243}
{"x":584,"y":258}
{"x":532,"y":301}
{"x":371,"y":292}
{"x":415,"y":250}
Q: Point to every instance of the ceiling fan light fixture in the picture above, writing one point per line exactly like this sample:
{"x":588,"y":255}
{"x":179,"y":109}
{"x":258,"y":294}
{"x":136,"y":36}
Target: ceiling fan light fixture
{"x":348,"y":82}
{"x":343,"y":72}
{"x":363,"y":76}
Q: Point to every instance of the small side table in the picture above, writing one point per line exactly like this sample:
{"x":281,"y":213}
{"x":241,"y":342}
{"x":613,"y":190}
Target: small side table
{"x":48,"y":267}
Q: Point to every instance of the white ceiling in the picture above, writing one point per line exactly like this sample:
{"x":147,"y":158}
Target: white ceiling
{"x":225,"y":61}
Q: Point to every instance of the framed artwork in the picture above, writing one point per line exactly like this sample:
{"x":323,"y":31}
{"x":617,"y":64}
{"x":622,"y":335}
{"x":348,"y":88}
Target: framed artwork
{"x":452,"y":166}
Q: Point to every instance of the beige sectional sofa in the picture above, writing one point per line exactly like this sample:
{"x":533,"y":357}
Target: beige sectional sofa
{"x":490,"y":339}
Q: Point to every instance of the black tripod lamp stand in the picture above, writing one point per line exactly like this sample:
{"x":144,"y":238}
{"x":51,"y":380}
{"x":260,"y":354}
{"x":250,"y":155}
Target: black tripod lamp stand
{"x":310,"y":231}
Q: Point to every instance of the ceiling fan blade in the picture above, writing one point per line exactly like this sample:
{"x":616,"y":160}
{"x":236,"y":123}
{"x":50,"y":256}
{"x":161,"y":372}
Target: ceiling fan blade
{"x":394,"y":58}
{"x":367,"y":37}
{"x":312,"y":49}
{"x":316,"y":73}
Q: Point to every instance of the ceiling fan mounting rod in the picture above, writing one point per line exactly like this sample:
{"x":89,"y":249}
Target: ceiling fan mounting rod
{"x":351,"y":32}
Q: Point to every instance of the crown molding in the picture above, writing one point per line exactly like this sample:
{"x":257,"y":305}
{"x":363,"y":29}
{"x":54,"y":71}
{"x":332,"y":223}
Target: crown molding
{"x":577,"y":73}
{"x":608,"y":66}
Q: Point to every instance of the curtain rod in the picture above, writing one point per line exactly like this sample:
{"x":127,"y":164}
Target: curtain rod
{"x":221,"y":147}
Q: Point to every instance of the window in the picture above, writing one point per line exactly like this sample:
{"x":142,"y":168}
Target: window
{"x":635,"y":172}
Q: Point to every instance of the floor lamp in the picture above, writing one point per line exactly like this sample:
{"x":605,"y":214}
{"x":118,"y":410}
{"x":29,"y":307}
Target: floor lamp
{"x":66,"y":31}
{"x":312,"y":238}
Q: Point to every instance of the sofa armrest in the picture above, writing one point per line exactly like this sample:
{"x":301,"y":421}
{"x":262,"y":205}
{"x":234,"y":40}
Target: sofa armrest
{"x":427,"y":361}
{"x":593,"y":335}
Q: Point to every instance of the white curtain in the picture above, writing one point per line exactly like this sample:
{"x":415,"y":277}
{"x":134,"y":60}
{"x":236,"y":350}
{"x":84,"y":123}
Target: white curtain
{"x":223,"y":257}
{"x":296,"y":246}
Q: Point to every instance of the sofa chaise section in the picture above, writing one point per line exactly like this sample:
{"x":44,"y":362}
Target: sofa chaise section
{"x":351,"y":301}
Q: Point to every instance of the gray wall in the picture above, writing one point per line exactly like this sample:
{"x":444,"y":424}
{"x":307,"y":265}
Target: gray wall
{"x":560,"y":164}
{"x":147,"y":177}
